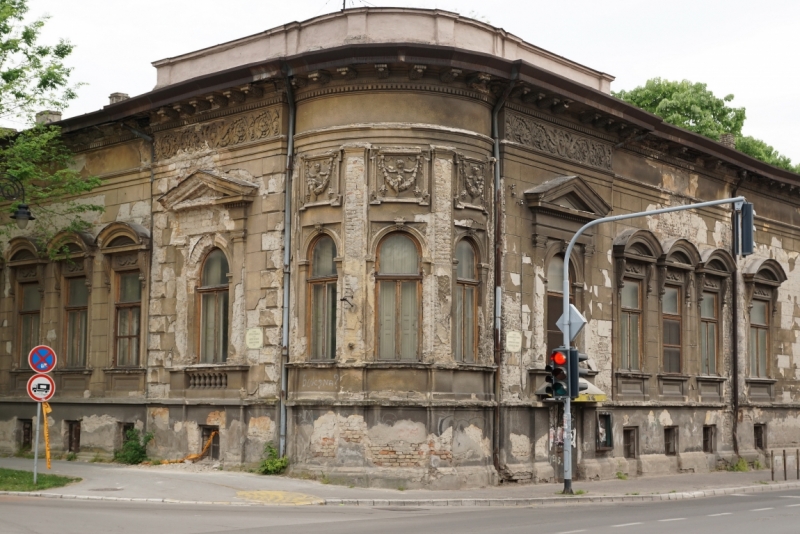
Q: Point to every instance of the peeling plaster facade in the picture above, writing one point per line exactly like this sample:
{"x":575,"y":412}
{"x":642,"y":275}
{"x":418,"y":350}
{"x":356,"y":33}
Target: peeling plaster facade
{"x":387,"y":147}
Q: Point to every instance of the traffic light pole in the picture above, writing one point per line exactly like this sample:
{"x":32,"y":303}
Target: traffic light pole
{"x":738,"y":201}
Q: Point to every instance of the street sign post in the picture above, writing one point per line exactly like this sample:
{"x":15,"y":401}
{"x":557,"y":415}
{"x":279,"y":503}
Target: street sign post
{"x":42,"y":359}
{"x":41,"y":388}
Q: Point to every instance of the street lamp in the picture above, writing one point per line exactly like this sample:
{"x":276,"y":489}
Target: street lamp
{"x":11,"y":188}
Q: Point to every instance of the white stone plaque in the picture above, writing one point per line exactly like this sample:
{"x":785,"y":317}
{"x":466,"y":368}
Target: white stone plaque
{"x":513,"y":341}
{"x":254,"y":338}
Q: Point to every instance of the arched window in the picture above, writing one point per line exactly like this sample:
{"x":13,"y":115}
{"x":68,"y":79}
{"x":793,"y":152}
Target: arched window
{"x":214,"y":308}
{"x":466,"y":300}
{"x":323,"y":299}
{"x":398,"y":281}
{"x":555,"y":302}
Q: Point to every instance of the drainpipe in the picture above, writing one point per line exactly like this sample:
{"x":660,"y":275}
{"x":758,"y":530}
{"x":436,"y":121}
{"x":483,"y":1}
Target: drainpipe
{"x":149,"y":140}
{"x":498,"y":266}
{"x":735,"y":321}
{"x":287,"y":257}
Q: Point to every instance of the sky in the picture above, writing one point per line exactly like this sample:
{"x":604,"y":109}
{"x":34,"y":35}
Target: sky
{"x":745,"y":48}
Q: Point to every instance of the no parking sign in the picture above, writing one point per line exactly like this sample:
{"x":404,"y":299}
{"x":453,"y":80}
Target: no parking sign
{"x":42,"y":359}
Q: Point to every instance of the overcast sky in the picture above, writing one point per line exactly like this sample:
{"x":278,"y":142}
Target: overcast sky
{"x":747,"y":48}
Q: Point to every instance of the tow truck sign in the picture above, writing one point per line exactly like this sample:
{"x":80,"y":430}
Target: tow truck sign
{"x":41,"y":388}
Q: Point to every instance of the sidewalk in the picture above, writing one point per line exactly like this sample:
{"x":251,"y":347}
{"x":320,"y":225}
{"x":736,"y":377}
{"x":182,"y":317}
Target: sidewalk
{"x":198,"y":484}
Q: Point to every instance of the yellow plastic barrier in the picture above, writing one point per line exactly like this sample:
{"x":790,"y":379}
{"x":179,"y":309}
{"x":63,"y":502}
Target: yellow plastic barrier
{"x":193,"y":457}
{"x":46,"y":409}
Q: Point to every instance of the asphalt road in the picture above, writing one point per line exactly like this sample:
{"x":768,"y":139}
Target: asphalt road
{"x":773,"y":512}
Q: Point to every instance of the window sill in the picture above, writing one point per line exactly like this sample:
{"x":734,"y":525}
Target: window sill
{"x":711,"y":378}
{"x":633,"y":374}
{"x":761,"y":380}
{"x":671,"y":376}
{"x":124,"y":370}
{"x":210,"y":367}
{"x":73,"y":371}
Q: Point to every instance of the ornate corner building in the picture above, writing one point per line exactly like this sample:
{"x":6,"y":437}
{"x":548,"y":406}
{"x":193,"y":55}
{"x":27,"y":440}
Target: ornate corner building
{"x":322,"y":235}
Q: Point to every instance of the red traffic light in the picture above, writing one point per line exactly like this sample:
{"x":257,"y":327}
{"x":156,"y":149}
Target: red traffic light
{"x":559,"y":358}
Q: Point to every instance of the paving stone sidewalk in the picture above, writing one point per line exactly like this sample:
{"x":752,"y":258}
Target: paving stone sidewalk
{"x":201,"y":484}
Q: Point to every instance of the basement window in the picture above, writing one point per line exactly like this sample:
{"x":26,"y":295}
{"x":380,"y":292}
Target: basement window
{"x":74,"y":436}
{"x":708,"y":438}
{"x":124,"y":428}
{"x":213,"y":447}
{"x":670,"y":441}
{"x":25,"y":434}
{"x":760,"y":436}
{"x":630,"y":441}
{"x":605,"y":432}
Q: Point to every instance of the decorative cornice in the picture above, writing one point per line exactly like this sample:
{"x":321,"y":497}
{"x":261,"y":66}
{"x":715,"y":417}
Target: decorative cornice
{"x":218,"y":113}
{"x":553,"y":141}
{"x":392,"y":86}
{"x":527,"y":110}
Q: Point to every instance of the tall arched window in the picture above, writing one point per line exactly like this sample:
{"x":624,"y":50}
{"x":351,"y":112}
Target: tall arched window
{"x":555,"y":302}
{"x":214,"y":308}
{"x":466,"y":300}
{"x":398,"y":281}
{"x":323,"y":299}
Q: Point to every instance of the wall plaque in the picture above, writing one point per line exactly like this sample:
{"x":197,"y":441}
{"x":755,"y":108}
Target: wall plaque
{"x":254,"y":338}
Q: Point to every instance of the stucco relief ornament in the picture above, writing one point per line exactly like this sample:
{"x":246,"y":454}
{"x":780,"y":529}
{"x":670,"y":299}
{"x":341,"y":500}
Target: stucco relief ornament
{"x":398,"y":177}
{"x":318,"y":178}
{"x":472,"y":175}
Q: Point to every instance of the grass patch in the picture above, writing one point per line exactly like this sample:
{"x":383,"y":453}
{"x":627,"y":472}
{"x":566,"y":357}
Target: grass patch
{"x":621,"y":475}
{"x":324,"y":479}
{"x":14,"y":480}
{"x":581,"y":492}
{"x":740,"y":466}
{"x":272,"y":464}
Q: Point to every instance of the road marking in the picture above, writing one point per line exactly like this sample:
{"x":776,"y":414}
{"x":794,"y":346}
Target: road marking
{"x":761,"y":509}
{"x":281,"y":498}
{"x":717,"y":515}
{"x":673,"y":519}
{"x":573,"y":531}
{"x":740,"y":495}
{"x":792,"y":505}
{"x":789,"y":496}
{"x":626,"y":525}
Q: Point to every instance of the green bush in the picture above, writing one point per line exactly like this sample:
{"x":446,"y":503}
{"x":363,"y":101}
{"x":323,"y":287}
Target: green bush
{"x":740,"y":466}
{"x":272,"y":464}
{"x":134,"y":450}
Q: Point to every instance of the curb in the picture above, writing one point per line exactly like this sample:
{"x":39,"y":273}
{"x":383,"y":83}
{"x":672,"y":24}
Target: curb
{"x":533,"y":501}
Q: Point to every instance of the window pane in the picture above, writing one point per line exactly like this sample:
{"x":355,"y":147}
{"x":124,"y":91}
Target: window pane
{"x":322,"y":262}
{"x":135,"y":312}
{"x":222,"y":321}
{"x":753,"y":352}
{"x":634,"y":344}
{"x":708,"y":307}
{"x":625,"y":340}
{"x":762,"y":352}
{"x":672,"y":360}
{"x":555,"y":275}
{"x":215,"y":269}
{"x":387,"y":312}
{"x":31,"y":297}
{"x":78,"y":292}
{"x":712,"y":348}
{"x":318,"y":321}
{"x":465,"y":255}
{"x":408,"y":321}
{"x":30,"y":333}
{"x":630,"y":294}
{"x":670,"y":301}
{"x":469,"y":324}
{"x":331,"y":323}
{"x":459,"y":323}
{"x":398,"y":255}
{"x":758,"y":313}
{"x":209,"y":327}
{"x":123,"y":351}
{"x":124,"y":322}
{"x":704,"y":355}
{"x":130,"y":287}
{"x":672,"y":332}
{"x":76,"y":338}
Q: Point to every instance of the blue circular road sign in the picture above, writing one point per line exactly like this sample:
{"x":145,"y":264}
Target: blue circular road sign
{"x":42,"y":359}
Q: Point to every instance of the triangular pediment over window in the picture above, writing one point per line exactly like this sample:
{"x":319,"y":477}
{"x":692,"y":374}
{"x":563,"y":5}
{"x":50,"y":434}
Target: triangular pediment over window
{"x":567,"y":193}
{"x":562,"y":205}
{"x":204,"y":188}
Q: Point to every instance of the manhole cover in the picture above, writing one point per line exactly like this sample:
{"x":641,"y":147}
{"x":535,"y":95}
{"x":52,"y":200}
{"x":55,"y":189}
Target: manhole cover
{"x":105,"y":489}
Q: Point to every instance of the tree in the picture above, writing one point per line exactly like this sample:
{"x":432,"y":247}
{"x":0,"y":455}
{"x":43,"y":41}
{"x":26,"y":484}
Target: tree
{"x":34,"y":77}
{"x":688,"y":105}
{"x":692,"y":106}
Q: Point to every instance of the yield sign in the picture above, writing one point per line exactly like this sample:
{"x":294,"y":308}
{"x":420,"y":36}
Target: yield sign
{"x":42,"y":359}
{"x":576,"y":322}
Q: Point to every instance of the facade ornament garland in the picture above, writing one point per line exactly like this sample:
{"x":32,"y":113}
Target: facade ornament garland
{"x":219,"y":134}
{"x":555,"y":141}
{"x":399,"y":174}
{"x":320,"y":175}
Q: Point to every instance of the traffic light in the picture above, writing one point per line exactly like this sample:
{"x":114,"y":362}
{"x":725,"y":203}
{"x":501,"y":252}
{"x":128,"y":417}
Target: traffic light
{"x":748,"y":229}
{"x":574,"y":373}
{"x":558,"y":378}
